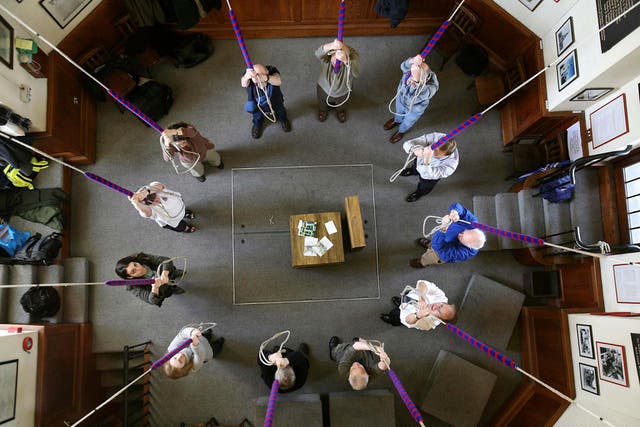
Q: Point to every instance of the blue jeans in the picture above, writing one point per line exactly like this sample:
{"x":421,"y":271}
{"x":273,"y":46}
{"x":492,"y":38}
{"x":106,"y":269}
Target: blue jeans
{"x":258,"y":117}
{"x":406,"y":122}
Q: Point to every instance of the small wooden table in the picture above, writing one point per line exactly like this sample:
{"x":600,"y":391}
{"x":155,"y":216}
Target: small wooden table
{"x":335,"y":255}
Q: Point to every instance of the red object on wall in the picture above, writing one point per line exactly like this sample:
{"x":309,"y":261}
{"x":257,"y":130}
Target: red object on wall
{"x":15,"y":329}
{"x":27,"y":344}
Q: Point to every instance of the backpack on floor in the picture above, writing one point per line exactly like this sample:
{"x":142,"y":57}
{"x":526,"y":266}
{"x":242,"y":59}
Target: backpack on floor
{"x":152,"y":98}
{"x":41,"y":301}
{"x":557,"y":190}
{"x":191,"y":50}
{"x":40,"y":250}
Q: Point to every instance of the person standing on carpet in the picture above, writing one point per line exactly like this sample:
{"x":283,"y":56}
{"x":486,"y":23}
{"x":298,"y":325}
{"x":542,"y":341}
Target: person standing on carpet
{"x":457,"y":242}
{"x":145,"y":266}
{"x":412,"y":96}
{"x":430,"y":165}
{"x":192,"y":358}
{"x":333,"y":89}
{"x":263,"y":95}
{"x":164,"y":206}
{"x":289,"y":367}
{"x":356,"y":362}
{"x":420,"y":307}
{"x":192,"y":148}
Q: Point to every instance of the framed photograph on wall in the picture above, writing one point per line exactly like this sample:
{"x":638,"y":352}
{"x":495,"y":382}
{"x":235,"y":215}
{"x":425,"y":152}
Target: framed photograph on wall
{"x":8,"y":390}
{"x":626,"y":280}
{"x":564,"y":36}
{"x":612,"y":363}
{"x":592,"y":94}
{"x":635,"y":346}
{"x":609,"y":121}
{"x":567,"y":70}
{"x":585,"y":341}
{"x":531,"y":4}
{"x":63,"y":11}
{"x":6,"y":43}
{"x":589,"y":378}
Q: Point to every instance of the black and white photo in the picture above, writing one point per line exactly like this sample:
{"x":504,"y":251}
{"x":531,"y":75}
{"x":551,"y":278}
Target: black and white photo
{"x":63,"y":11}
{"x":589,"y":378}
{"x":612,"y":363}
{"x":567,"y":70}
{"x":531,"y":4}
{"x":6,"y":43}
{"x":592,"y":94}
{"x":8,"y":390}
{"x":564,"y":36}
{"x":585,"y":341}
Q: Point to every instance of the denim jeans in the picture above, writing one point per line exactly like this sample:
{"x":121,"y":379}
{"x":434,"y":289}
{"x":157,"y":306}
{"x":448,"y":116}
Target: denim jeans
{"x":258,"y":117}
{"x":406,"y":122}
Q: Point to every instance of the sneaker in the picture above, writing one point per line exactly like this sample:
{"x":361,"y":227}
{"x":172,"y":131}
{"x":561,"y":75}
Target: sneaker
{"x":286,"y":126}
{"x":256,"y":132}
{"x":201,"y":178}
{"x":304,"y":348}
{"x":221,"y":165}
{"x":216,"y":346}
{"x":333,"y":342}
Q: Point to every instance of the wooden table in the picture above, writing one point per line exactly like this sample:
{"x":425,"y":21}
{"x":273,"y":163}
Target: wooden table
{"x":335,"y":255}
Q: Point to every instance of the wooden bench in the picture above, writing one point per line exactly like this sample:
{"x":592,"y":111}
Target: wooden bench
{"x":354,"y":222}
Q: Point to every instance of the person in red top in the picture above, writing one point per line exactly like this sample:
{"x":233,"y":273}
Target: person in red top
{"x":192,"y":148}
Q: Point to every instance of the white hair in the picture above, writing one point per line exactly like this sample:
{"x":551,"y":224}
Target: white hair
{"x":286,"y":377}
{"x":359,"y":381}
{"x":477,"y":239}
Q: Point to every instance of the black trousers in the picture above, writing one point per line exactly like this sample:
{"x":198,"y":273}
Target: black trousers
{"x":394,"y":317}
{"x":424,"y":185}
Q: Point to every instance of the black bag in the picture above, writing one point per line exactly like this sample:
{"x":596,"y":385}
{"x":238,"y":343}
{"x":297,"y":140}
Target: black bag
{"x":191,"y":50}
{"x":40,"y":250}
{"x":152,"y":98}
{"x":41,"y":301}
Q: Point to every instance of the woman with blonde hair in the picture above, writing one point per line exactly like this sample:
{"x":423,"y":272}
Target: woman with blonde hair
{"x":191,"y":359}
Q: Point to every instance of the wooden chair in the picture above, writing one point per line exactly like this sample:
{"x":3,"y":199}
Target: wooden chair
{"x":463,"y":23}
{"x":535,"y":154}
{"x":129,"y":29}
{"x":492,"y":86}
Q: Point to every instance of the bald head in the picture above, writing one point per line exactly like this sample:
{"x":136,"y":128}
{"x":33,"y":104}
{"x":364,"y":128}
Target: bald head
{"x":472,"y":238}
{"x":260,"y":69}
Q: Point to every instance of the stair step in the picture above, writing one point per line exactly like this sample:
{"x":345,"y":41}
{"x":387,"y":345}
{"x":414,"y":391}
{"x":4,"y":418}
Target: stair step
{"x":484,"y":208}
{"x":20,"y":274}
{"x":531,"y":213}
{"x":76,"y":306}
{"x":108,"y":361}
{"x":111,"y":378}
{"x":508,"y":218}
{"x":585,"y":206}
{"x":53,"y":274}
{"x":4,"y":293}
{"x":557,"y":219}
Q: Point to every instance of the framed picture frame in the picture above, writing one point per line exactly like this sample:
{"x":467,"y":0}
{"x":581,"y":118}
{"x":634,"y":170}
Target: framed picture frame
{"x":592,"y":94}
{"x":567,"y":70}
{"x":63,"y":11}
{"x":609,"y":121}
{"x":626,"y":282}
{"x":531,"y":4}
{"x":612,"y":363}
{"x":589,"y":378}
{"x":635,"y":347}
{"x":6,"y":43}
{"x":8,"y":390}
{"x":564,"y":36}
{"x":585,"y":341}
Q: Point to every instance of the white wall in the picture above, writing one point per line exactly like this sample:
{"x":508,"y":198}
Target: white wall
{"x":619,"y":405}
{"x":11,"y":348}
{"x":37,"y":18}
{"x":543,"y":18}
{"x":614,"y":68}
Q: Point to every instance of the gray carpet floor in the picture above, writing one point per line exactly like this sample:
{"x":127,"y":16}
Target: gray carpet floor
{"x":105,"y":226}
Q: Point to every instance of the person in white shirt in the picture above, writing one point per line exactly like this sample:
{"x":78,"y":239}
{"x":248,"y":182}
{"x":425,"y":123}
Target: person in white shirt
{"x":430,"y":165}
{"x":164,"y":206}
{"x":422,"y":307}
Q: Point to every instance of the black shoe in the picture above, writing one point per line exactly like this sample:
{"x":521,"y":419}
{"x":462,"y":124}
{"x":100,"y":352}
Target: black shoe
{"x":386,"y":318}
{"x":304,"y":348}
{"x":406,"y":172}
{"x":286,"y":126}
{"x":355,"y":339}
{"x":423,"y":242}
{"x":415,"y":263}
{"x":413,"y":197}
{"x":177,"y":290}
{"x":333,"y":342}
{"x":221,"y":165}
{"x":216,"y":346}
{"x":396,"y":301}
{"x":208,"y":335}
{"x":256,"y":132}
{"x":201,"y":178}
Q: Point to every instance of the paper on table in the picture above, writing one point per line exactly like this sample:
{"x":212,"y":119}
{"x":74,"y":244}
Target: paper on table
{"x":310,"y":241}
{"x":326,"y":243}
{"x":308,"y":251}
{"x":331,"y":227}
{"x":319,"y":249}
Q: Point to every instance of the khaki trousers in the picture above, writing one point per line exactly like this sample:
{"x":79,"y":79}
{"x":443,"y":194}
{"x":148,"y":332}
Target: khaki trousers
{"x":212,"y":157}
{"x":430,"y":257}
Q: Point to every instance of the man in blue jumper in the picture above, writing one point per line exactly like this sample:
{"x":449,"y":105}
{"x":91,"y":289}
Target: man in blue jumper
{"x":456,"y":242}
{"x":263,"y":93}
